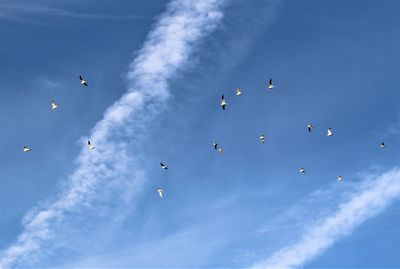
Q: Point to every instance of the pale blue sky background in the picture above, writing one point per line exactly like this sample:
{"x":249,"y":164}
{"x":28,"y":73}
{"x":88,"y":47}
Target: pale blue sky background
{"x":335,"y":64}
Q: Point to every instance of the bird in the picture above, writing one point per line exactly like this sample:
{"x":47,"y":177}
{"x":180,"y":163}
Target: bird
{"x":329,"y":132}
{"x":27,"y":149}
{"x":83,"y":82}
{"x":262,"y":138}
{"x":90,"y":145}
{"x":215,"y":146}
{"x":238,"y":91}
{"x":270,"y":85}
{"x":53,"y":105}
{"x":223,"y":102}
{"x":160,"y":192}
{"x":221,"y":150}
{"x":164,"y":166}
{"x":382,"y":145}
{"x":339,"y":178}
{"x":309,"y":127}
{"x":302,"y":170}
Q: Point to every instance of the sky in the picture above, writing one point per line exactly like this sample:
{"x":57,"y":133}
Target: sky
{"x":156,"y":72}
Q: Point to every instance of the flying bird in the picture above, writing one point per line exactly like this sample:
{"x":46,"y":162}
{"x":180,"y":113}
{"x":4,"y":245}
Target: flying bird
{"x":90,"y":145}
{"x":329,"y":132}
{"x":270,"y":85}
{"x":309,"y":127}
{"x":382,"y":145}
{"x":238,"y":91}
{"x":223,"y":102}
{"x":53,"y":105}
{"x":164,"y":166}
{"x":221,"y":150}
{"x":302,"y":170}
{"x":262,"y":138}
{"x":160,"y":192}
{"x":339,"y":178}
{"x":26,"y":149}
{"x":215,"y":145}
{"x":83,"y":82}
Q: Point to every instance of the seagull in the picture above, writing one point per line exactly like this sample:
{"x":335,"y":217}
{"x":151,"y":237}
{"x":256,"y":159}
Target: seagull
{"x":26,"y":149}
{"x":83,"y":82}
{"x":215,"y":145}
{"x":221,"y":150}
{"x":339,"y":178}
{"x":270,"y":85}
{"x":238,"y":91}
{"x":164,"y":166}
{"x":302,"y":170}
{"x":382,"y":145}
{"x":53,"y":105}
{"x":160,"y":192}
{"x":309,"y":127}
{"x":329,"y":132}
{"x":90,"y":146}
{"x":262,"y":138}
{"x":223,"y":103}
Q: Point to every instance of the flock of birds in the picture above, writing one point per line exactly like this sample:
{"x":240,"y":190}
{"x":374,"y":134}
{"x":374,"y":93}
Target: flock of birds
{"x":54,"y":106}
{"x":216,"y":146}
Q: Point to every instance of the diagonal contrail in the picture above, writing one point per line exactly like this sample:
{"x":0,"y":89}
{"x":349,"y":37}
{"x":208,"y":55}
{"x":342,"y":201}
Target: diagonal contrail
{"x":371,"y":199}
{"x":166,"y":50}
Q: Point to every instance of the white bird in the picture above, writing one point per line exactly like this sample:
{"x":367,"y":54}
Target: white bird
{"x":329,"y":132}
{"x":223,"y":102}
{"x":160,"y":192}
{"x":164,"y":166}
{"x":262,"y":138}
{"x":302,"y":170}
{"x":221,"y":150}
{"x":26,"y":149}
{"x":339,"y":178}
{"x":83,"y":82}
{"x":53,"y":105}
{"x":309,"y":127}
{"x":90,"y":145}
{"x":238,"y":91}
{"x":215,"y":146}
{"x":382,"y":145}
{"x":270,"y":85}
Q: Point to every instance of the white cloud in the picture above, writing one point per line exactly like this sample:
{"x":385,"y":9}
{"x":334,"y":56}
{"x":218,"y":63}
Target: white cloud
{"x":20,"y":10}
{"x":373,"y":196}
{"x":166,"y":50}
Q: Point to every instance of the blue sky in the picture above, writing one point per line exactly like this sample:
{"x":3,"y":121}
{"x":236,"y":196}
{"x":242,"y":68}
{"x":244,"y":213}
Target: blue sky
{"x":334,"y":64}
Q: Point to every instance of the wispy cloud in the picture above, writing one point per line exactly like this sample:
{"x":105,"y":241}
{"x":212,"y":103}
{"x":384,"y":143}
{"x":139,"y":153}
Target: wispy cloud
{"x":372,"y":197}
{"x":46,"y":82}
{"x":391,"y":130}
{"x":166,"y":51}
{"x":15,"y":11}
{"x":195,"y":250}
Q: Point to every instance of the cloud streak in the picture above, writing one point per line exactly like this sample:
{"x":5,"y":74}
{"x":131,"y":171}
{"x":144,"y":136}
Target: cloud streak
{"x":13,"y":11}
{"x":373,"y":196}
{"x":166,"y":51}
